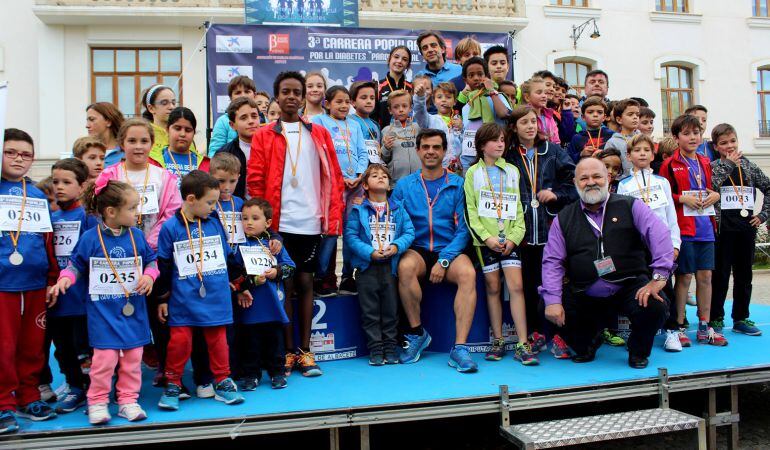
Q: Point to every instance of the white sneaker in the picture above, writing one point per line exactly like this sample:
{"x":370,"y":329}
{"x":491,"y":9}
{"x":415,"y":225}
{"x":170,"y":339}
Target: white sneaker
{"x":46,"y":394}
{"x":98,"y":414}
{"x":132,"y":412}
{"x":205,"y":391}
{"x":672,"y":343}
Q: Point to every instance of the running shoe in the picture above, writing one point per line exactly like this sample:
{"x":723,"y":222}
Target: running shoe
{"x":612,"y":338}
{"x":497,"y":352}
{"x":291,"y":362}
{"x":560,"y":349}
{"x":170,"y":398}
{"x":132,"y":412}
{"x":8,"y":422}
{"x":672,"y":344}
{"x":707,"y":335}
{"x":227,"y":392}
{"x":523,"y":352}
{"x":348,"y":286}
{"x":46,"y":393}
{"x":460,"y":359}
{"x":249,"y":384}
{"x":307,"y":365}
{"x":376,"y":358}
{"x":391,"y":357}
{"x":718,"y":325}
{"x":72,"y":401}
{"x":184,"y":393}
{"x":278,"y":382}
{"x":537,"y":343}
{"x":204,"y":390}
{"x":747,"y":327}
{"x":414,"y":346}
{"x":98,"y":414}
{"x":683,"y":338}
{"x":36,"y":411}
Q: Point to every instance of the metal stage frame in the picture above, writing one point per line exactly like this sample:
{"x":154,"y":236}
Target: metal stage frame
{"x":364,"y":417}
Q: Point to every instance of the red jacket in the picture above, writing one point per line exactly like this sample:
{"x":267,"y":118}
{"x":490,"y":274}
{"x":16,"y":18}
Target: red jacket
{"x":264,"y":175}
{"x":676,"y":171}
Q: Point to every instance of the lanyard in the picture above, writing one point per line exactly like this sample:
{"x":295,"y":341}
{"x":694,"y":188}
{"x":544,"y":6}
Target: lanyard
{"x":377,"y":224}
{"x":431,"y":203}
{"x":232,"y":221}
{"x":346,"y":138}
{"x":199,"y":264}
{"x":647,"y":187}
{"x":109,"y":261}
{"x":293,"y":160}
{"x":498,"y":205}
{"x":15,"y":238}
{"x":189,"y":161}
{"x":690,"y":169}
{"x":144,"y":186}
{"x":595,"y":143}
{"x":532,"y":175}
{"x":735,"y":189}
{"x":598,"y":227}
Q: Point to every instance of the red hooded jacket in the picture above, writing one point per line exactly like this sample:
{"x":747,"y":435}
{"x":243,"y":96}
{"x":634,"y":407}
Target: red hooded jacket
{"x":676,"y":171}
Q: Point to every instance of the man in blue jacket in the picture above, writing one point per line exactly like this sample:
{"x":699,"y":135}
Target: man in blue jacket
{"x":435,"y":201}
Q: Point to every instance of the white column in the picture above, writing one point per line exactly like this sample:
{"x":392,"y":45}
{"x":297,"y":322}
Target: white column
{"x":52,"y":87}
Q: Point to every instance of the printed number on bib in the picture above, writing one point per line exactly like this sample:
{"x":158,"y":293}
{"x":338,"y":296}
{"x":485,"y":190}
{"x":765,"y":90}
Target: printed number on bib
{"x":656,"y":198}
{"x":373,"y":148}
{"x":487,"y":206}
{"x":731,"y":200}
{"x":35,"y":219}
{"x":256,"y":260}
{"x":188,"y":261}
{"x":103,"y":281}
{"x":234,"y":228}
{"x":469,"y":143}
{"x":65,"y":236}
{"x":692,"y":212}
{"x":386,"y":234}
{"x":149,"y":198}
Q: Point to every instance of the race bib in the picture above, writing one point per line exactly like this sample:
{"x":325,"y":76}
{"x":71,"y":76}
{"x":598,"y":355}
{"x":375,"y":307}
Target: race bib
{"x":695,"y":212}
{"x":382,"y":234}
{"x":36,"y":218}
{"x":731,"y":200}
{"x":256,"y":259}
{"x":654,"y":198}
{"x":103,"y":281}
{"x":469,"y":143}
{"x":65,"y":236}
{"x":188,"y":261}
{"x":373,"y":148}
{"x":487,"y":206}
{"x":233,"y":226}
{"x":149,"y":197}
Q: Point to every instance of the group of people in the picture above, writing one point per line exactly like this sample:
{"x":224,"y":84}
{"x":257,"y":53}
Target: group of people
{"x":157,"y":252}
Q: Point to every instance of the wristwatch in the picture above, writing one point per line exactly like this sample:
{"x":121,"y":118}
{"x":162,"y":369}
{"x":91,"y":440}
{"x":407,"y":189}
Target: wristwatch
{"x":444,"y":263}
{"x":659,"y":277}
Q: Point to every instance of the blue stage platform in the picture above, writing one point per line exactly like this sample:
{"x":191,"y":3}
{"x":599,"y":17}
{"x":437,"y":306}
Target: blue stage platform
{"x":352,"y":393}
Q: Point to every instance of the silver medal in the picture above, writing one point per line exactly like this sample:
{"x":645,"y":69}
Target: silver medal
{"x":128,"y":309}
{"x":16,"y":259}
{"x":534,"y":203}
{"x":202,"y":291}
{"x":280,"y":295}
{"x":294,"y":183}
{"x":744,"y":213}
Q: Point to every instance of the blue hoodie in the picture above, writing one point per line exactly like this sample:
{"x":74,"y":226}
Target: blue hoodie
{"x":444,"y":231}
{"x":358,"y":233}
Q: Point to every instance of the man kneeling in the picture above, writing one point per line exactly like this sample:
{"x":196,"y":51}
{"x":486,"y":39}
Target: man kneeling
{"x":435,"y":201}
{"x":597,"y":255}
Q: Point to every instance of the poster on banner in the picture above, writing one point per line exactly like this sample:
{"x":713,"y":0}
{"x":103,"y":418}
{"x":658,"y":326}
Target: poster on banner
{"x":329,"y":13}
{"x":343,"y":55}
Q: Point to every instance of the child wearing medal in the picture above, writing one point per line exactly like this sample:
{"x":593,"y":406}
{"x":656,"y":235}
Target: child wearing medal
{"x":378,"y":232}
{"x":353,"y":158}
{"x":180,"y":156}
{"x":655,"y":192}
{"x":738,"y":180}
{"x":119,"y":267}
{"x":496,"y":222}
{"x":363,"y":94}
{"x":66,"y":321}
{"x":193,"y":259}
{"x":27,"y":267}
{"x":225,"y":168}
{"x":260,"y":315}
{"x":691,"y":189}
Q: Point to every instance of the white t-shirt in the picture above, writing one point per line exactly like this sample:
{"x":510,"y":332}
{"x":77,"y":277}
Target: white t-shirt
{"x":245,"y":148}
{"x":301,"y":205}
{"x":136,"y":178}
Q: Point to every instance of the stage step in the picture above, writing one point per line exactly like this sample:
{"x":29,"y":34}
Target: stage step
{"x":583,"y":430}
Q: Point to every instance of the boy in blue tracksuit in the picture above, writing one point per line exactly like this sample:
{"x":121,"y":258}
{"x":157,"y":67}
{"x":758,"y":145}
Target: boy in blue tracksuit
{"x":378,"y":232}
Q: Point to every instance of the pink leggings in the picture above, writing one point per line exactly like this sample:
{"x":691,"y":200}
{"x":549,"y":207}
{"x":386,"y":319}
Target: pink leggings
{"x":129,"y":375}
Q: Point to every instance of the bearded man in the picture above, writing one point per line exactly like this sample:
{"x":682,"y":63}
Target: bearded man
{"x":597,"y":263}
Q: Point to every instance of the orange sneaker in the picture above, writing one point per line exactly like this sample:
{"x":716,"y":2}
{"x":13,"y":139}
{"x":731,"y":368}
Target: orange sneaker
{"x":307,"y":365}
{"x":291,"y":362}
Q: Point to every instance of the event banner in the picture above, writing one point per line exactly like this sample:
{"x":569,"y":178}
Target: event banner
{"x":343,"y":55}
{"x":330,"y":13}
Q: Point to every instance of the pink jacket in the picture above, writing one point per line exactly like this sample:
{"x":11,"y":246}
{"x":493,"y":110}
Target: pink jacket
{"x":170,"y":200}
{"x":549,"y":127}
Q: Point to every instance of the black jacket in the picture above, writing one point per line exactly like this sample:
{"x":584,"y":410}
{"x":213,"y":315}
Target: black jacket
{"x":234,"y":148}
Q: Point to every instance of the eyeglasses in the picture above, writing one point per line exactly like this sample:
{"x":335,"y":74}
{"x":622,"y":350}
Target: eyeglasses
{"x":13,"y":154}
{"x":166,"y":103}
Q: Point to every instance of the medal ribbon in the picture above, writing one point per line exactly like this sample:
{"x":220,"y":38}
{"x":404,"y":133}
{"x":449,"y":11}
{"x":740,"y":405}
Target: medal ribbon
{"x":15,"y":238}
{"x":109,"y":261}
{"x":199,"y":264}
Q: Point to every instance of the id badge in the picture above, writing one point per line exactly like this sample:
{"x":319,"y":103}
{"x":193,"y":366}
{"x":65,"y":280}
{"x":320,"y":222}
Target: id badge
{"x":604,"y":266}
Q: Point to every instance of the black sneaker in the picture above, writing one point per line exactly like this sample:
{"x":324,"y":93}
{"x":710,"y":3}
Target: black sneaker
{"x":8,"y":423}
{"x":184,"y":394}
{"x":249,"y":384}
{"x":348,"y":286}
{"x":37,"y":411}
{"x":376,"y":358}
{"x":323,"y":290}
{"x":391,"y":357}
{"x":278,"y":382}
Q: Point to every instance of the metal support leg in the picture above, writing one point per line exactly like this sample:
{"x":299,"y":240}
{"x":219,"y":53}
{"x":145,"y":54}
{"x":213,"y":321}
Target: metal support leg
{"x":334,"y":439}
{"x":505,"y":414}
{"x":364,"y":437}
{"x":702,"y":435}
{"x":711,"y":411}
{"x":734,"y":412}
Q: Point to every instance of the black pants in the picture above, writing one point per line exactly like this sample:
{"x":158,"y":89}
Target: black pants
{"x":531,"y":273}
{"x":69,"y":335}
{"x":260,"y":346}
{"x":734,"y":251}
{"x":586,"y":317}
{"x":378,"y":297}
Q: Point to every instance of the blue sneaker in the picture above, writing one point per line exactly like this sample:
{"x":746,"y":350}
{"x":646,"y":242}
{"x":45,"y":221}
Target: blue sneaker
{"x":226,"y":391}
{"x":170,"y":398}
{"x":460,"y":359}
{"x":74,"y":399}
{"x":8,"y":423}
{"x":747,"y":327}
{"x":414,"y":347}
{"x":36,"y":411}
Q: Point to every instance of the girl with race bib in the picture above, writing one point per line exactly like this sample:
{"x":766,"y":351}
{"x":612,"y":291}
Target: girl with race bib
{"x":180,"y":156}
{"x":119,"y":267}
{"x":66,"y":324}
{"x":496,"y":222}
{"x":315,"y":87}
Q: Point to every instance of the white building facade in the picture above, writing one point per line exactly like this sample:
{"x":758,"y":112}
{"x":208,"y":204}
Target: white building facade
{"x":58,"y":56}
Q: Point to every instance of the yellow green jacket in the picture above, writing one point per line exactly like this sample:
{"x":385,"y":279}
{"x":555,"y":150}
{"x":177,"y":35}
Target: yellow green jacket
{"x":160,"y":144}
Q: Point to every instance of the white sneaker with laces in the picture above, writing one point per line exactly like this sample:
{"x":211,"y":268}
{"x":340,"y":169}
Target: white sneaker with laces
{"x":46,"y":394}
{"x":132,"y":412}
{"x":98,"y":414}
{"x":672,"y":343}
{"x":205,"y":391}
